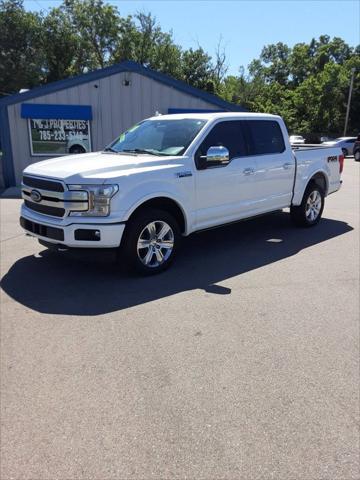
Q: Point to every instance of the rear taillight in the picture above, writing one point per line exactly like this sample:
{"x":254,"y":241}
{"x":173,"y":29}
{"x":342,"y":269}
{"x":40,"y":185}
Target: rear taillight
{"x":341,"y":163}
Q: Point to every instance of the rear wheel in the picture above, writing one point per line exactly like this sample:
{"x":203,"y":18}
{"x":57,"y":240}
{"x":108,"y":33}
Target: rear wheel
{"x":309,"y":212}
{"x":357,"y":156}
{"x":150,"y":242}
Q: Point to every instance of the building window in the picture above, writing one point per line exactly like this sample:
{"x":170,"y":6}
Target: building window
{"x":58,"y":137}
{"x":57,"y":129}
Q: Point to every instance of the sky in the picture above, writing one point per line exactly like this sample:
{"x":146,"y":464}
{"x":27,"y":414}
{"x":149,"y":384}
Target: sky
{"x":244,"y":26}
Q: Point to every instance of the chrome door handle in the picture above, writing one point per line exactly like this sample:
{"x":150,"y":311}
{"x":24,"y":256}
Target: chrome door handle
{"x":287,"y":166}
{"x":248,"y":171}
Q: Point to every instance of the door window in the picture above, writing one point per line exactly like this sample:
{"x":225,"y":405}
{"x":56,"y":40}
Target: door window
{"x":228,"y":134}
{"x":265,"y":137}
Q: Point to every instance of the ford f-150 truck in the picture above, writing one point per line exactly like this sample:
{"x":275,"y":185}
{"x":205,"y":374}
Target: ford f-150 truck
{"x":172,"y":175}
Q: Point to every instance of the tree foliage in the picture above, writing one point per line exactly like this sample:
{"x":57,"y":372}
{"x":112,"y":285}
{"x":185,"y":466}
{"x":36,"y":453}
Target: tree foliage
{"x":21,"y":53}
{"x":307,"y":84}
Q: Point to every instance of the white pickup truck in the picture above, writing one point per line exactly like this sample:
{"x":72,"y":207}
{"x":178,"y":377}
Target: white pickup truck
{"x":172,"y":175}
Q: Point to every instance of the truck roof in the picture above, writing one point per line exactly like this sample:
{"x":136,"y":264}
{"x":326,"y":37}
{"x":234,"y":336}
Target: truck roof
{"x":217,"y":115}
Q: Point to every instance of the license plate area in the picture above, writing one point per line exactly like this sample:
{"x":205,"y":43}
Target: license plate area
{"x":42,"y":230}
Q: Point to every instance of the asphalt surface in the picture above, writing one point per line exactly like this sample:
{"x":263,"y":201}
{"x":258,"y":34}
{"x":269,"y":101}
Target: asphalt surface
{"x":241,"y":362}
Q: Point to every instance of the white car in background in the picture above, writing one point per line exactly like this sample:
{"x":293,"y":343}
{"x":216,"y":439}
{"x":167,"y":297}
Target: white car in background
{"x":78,"y":143}
{"x":345,"y":143}
{"x":296,"y":139}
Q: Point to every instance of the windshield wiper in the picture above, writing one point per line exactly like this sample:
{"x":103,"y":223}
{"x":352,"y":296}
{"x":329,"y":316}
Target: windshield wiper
{"x":141,"y":150}
{"x":109,"y":149}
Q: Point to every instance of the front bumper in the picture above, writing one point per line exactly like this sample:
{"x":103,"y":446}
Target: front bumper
{"x":102,"y":235}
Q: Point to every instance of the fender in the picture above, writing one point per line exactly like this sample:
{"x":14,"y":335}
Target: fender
{"x":163,"y":194}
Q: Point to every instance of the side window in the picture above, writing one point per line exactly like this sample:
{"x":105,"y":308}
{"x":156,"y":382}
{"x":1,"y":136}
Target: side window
{"x":228,"y":134}
{"x":266,"y":137}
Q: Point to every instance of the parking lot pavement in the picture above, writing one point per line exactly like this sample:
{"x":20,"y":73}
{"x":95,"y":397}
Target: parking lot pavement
{"x":241,"y":362}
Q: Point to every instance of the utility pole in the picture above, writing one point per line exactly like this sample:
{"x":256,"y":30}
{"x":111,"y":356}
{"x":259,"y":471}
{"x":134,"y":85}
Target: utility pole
{"x":349,"y":101}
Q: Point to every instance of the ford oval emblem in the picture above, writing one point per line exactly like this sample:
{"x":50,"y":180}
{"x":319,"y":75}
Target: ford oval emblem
{"x":35,"y":196}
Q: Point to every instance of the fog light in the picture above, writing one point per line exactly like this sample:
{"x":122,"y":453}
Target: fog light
{"x":87,"y":235}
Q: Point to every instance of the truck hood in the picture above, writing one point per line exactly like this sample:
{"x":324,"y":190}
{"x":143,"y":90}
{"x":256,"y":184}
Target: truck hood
{"x":98,"y":167}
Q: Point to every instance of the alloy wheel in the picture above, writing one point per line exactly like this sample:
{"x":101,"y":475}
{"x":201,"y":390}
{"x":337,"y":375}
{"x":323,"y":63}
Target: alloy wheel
{"x":313,"y":206}
{"x":155,"y":243}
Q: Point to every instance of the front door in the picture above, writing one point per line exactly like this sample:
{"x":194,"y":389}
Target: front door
{"x":225,"y":192}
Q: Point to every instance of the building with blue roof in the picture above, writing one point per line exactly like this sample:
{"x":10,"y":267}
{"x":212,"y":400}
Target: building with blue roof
{"x":85,"y":113}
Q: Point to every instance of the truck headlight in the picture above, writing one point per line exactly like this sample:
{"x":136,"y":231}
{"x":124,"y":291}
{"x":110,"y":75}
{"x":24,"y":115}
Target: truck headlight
{"x":99,"y":199}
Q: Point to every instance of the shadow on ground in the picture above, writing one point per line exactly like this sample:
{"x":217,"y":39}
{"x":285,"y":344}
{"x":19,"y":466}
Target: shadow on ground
{"x":89,"y":284}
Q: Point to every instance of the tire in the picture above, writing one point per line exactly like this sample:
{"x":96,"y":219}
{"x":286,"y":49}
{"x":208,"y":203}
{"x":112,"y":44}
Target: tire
{"x":345,"y":152}
{"x":141,"y":249}
{"x":309,"y":212}
{"x":77,"y":149}
{"x":357,"y":156}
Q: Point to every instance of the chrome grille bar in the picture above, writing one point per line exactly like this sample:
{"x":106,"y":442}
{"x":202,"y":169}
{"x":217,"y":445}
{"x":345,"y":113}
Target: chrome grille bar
{"x":44,"y":183}
{"x":61,"y":202}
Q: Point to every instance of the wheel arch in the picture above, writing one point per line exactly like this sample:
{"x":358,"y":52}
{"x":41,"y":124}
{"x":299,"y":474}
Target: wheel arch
{"x":321,"y":179}
{"x":163,"y":202}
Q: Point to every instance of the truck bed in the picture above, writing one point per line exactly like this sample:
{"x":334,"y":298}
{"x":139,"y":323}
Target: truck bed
{"x":315,"y":159}
{"x":309,"y":146}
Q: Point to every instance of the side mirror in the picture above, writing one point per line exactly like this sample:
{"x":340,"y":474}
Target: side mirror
{"x":217,"y":155}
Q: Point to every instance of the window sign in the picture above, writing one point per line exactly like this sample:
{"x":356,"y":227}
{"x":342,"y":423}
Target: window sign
{"x":59,"y":137}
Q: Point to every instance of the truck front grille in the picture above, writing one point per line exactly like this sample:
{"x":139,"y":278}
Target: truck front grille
{"x":43,"y":184}
{"x":52,"y":198}
{"x":46,"y":210}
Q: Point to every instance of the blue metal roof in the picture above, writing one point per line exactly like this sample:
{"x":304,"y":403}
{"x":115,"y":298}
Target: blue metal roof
{"x":127,"y":66}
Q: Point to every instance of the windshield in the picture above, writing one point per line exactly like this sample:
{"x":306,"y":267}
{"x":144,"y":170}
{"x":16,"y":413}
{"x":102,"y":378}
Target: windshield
{"x":158,"y":137}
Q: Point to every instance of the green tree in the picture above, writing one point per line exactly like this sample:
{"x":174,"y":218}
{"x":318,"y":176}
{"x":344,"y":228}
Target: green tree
{"x":155,"y":48}
{"x":21,"y":52}
{"x":301,"y":63}
{"x":354,"y":117}
{"x":197,"y":69}
{"x":127,"y":40}
{"x":273,"y":64}
{"x":308,"y":85}
{"x":142,"y":40}
{"x":97,"y":26}
{"x":61,"y":46}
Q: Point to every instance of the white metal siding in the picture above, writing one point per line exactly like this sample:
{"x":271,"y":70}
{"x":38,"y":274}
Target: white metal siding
{"x":115,"y":108}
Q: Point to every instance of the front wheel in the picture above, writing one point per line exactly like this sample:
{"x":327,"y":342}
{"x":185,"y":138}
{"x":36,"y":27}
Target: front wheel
{"x":309,"y":212}
{"x":77,"y":149}
{"x":345,"y":152}
{"x":150,"y":242}
{"x":357,"y":156}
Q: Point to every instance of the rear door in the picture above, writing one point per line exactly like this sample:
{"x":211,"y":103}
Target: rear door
{"x":275,"y":162}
